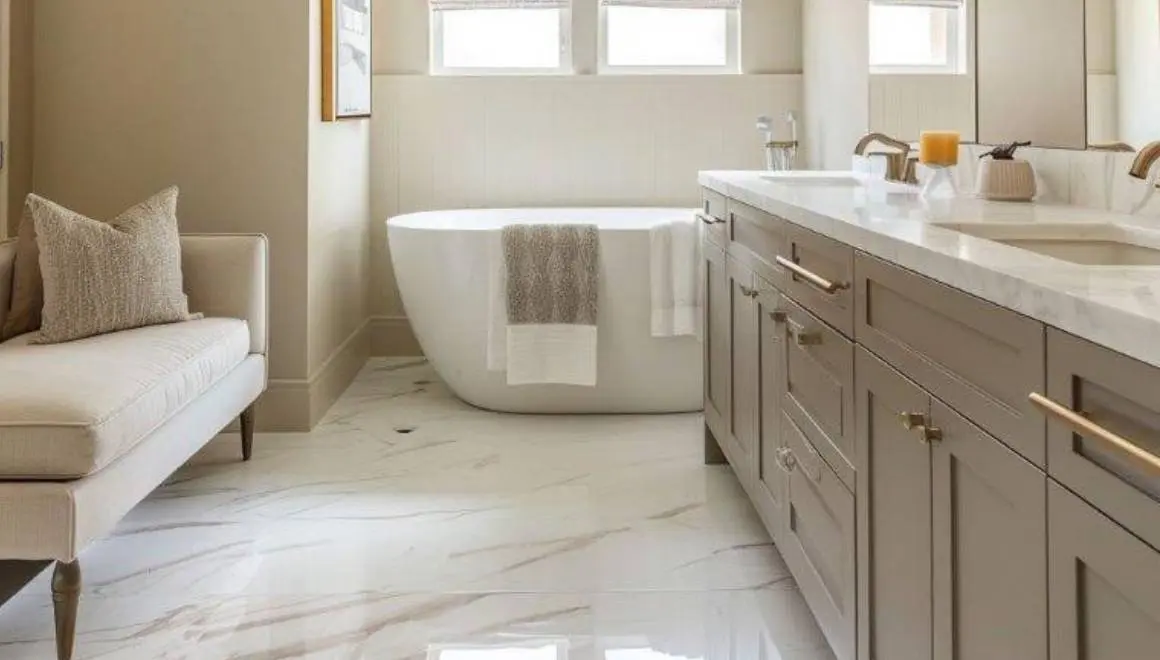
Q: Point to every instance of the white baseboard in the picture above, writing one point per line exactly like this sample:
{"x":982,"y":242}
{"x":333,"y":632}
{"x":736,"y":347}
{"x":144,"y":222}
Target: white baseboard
{"x":391,"y":336}
{"x":293,"y":405}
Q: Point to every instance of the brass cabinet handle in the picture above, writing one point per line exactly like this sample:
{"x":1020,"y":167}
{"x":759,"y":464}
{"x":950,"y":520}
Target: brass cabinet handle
{"x":708,"y":219}
{"x":930,"y":434}
{"x":778,"y":316}
{"x":803,"y":338}
{"x":813,"y":279}
{"x":1087,"y":428}
{"x":911,"y":421}
{"x":749,"y":293}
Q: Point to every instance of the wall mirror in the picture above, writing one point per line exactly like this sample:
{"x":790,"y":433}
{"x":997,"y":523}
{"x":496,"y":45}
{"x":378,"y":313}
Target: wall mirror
{"x":1070,"y":74}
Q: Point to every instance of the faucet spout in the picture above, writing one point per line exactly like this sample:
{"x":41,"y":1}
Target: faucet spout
{"x":882,"y":138}
{"x":1145,"y":160}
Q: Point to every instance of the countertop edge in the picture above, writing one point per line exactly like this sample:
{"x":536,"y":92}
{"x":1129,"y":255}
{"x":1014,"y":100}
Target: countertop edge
{"x":1086,"y":317}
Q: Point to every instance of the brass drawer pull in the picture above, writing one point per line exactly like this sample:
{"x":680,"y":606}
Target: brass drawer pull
{"x":709,"y":220}
{"x":778,"y":316}
{"x":931,"y":435}
{"x":813,"y":279}
{"x":749,"y":293}
{"x":911,"y":421}
{"x":1087,"y":428}
{"x":802,"y":337}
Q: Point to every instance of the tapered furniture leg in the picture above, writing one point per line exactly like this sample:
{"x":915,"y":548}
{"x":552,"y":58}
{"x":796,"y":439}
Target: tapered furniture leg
{"x":713,"y":453}
{"x":66,"y":597}
{"x":247,"y":420}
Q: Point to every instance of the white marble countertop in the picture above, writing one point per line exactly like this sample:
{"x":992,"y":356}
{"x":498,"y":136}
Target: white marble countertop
{"x":1114,"y":306}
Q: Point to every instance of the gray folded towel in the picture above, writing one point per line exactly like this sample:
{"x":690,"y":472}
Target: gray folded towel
{"x":553,"y":276}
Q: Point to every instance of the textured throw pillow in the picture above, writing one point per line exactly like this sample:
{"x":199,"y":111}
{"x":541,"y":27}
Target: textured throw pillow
{"x":27,"y":290}
{"x":104,"y":277}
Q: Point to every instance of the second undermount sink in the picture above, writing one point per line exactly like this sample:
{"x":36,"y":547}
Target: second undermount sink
{"x":818,"y":179}
{"x":1088,"y":244}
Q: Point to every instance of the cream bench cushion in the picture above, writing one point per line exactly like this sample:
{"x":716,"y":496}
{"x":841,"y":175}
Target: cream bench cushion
{"x":68,"y":410}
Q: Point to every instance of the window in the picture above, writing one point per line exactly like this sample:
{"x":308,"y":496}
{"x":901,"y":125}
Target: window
{"x":918,"y":36}
{"x":500,"y":36}
{"x":657,"y":36}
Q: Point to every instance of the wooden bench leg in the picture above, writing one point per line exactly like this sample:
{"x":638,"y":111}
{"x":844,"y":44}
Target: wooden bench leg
{"x":247,"y":420}
{"x":66,"y":598}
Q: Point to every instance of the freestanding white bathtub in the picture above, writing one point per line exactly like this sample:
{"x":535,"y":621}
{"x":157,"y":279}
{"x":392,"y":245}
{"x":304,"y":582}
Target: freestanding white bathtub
{"x":441,"y":262}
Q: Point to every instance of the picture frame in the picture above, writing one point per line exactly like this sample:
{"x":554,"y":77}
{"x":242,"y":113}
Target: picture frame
{"x":346,"y":59}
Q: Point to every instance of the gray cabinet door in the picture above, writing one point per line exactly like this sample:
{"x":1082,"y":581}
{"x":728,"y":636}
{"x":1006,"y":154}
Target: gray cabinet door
{"x":818,"y":541}
{"x":989,"y":513}
{"x":1120,"y":397}
{"x":1104,"y":585}
{"x":894,"y":516}
{"x":770,"y":493}
{"x":718,"y":336}
{"x":745,"y":397}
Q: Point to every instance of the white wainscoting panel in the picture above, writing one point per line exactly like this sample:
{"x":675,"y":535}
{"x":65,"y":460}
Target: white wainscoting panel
{"x":477,"y":142}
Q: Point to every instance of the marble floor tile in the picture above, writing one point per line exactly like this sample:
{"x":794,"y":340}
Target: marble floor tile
{"x":410,"y":525}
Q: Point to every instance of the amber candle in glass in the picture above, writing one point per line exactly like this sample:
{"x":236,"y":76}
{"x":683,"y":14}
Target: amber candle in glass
{"x":939,"y":148}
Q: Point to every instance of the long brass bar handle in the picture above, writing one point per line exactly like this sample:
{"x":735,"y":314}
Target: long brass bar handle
{"x":1090,"y":429}
{"x":813,"y":279}
{"x":708,"y":219}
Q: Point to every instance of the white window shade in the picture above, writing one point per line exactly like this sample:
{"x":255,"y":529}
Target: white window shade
{"x":452,"y":5}
{"x":952,"y":4}
{"x":675,"y":4}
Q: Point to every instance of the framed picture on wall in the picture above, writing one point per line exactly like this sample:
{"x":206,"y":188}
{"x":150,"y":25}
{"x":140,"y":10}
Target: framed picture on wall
{"x":346,"y":59}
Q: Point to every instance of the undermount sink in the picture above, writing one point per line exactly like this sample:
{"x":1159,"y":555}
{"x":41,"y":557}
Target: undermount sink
{"x":1088,"y":244}
{"x":836,"y":180}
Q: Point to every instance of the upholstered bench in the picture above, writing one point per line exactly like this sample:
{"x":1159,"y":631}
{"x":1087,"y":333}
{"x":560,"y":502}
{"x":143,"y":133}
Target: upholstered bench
{"x":89,"y":428}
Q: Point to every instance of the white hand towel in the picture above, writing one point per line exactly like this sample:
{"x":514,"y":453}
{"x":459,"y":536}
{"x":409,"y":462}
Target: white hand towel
{"x":675,"y":261}
{"x":556,"y":354}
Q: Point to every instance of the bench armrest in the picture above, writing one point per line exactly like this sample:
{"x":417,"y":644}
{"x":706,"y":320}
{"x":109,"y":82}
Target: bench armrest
{"x":227,"y":275}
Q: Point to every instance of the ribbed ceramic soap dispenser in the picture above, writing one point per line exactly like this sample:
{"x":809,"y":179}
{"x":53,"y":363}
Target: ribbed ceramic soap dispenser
{"x":1003,"y":177}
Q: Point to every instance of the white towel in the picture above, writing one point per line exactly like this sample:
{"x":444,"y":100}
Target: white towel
{"x":551,"y":354}
{"x":675,"y":259}
{"x":542,"y":304}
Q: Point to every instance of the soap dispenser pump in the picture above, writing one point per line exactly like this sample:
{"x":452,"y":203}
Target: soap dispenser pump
{"x":1003,"y":177}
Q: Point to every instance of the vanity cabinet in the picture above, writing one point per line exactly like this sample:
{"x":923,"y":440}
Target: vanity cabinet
{"x":772,"y":479}
{"x":945,"y":478}
{"x":717,"y":330}
{"x":1104,"y":585}
{"x":1115,"y":466}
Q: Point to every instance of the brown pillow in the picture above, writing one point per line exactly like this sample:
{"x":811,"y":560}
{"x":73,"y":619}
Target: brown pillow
{"x":100,"y":277}
{"x":27,"y":288}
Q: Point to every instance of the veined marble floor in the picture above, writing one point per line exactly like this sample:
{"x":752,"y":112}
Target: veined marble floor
{"x":410,"y":525}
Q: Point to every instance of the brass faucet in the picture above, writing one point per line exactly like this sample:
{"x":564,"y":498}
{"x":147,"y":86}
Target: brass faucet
{"x":1145,"y":160}
{"x":900,"y":166}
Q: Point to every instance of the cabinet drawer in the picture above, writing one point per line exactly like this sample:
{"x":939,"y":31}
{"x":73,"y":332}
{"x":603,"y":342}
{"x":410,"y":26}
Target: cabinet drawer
{"x":819,"y":272}
{"x":1103,"y":585}
{"x":819,"y":387}
{"x":979,"y":358}
{"x":1112,"y":457}
{"x":757,"y":237}
{"x":819,"y":542}
{"x":715,"y":215}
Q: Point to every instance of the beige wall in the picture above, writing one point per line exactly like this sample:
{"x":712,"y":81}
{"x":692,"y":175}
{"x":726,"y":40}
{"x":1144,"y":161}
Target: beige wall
{"x":222,"y":98}
{"x":18,"y":172}
{"x":836,"y":64}
{"x":193,"y":94}
{"x":584,"y":140}
{"x":338,"y":238}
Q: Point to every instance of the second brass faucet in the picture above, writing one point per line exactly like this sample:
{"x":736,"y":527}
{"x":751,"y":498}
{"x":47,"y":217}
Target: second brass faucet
{"x":900,"y":166}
